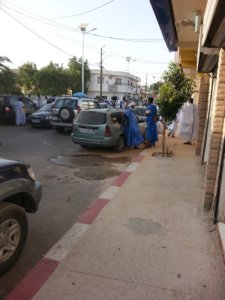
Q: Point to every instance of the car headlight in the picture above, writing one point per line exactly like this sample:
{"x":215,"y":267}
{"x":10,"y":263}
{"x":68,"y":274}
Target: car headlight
{"x":31,"y":172}
{"x":47,"y":117}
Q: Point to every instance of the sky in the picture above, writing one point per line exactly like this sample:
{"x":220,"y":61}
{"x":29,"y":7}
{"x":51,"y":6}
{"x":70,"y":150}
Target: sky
{"x":41,"y":31}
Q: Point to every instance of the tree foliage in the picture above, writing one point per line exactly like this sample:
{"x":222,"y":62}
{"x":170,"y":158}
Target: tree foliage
{"x":7,"y":77}
{"x":175,"y":90}
{"x":52,"y":80}
{"x":27,"y":78}
{"x":75,"y":72}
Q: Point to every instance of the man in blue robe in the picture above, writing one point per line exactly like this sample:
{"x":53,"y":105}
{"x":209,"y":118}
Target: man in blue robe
{"x":151,"y":122}
{"x":132,"y":131}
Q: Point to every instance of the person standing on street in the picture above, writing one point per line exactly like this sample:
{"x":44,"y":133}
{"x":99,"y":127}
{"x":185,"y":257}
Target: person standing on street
{"x":151,"y":122}
{"x":20,"y":114}
{"x":134,"y":138}
{"x":188,"y":122}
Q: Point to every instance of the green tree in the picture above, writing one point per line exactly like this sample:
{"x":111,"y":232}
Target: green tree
{"x":7,"y":77}
{"x":75,"y":72}
{"x":175,"y":90}
{"x":52,"y":80}
{"x":155,"y":87}
{"x":27,"y":78}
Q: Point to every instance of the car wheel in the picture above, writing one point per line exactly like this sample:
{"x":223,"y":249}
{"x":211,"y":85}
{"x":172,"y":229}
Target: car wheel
{"x":119,"y":147}
{"x":66,"y":114}
{"x":13,"y":233}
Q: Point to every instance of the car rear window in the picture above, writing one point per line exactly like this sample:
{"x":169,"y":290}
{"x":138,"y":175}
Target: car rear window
{"x":91,"y":117}
{"x":70,"y":103}
{"x":89,"y":104}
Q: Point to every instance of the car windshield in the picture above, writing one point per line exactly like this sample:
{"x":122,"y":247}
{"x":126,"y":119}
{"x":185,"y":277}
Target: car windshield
{"x":140,"y":111}
{"x":91,"y":117}
{"x":46,"y":107}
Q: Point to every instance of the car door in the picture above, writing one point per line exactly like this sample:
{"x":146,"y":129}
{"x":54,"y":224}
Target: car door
{"x":116,"y":121}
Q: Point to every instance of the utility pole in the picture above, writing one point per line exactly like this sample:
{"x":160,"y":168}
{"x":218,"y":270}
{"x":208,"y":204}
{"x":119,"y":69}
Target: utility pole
{"x":101,"y":69}
{"x":146,"y":85}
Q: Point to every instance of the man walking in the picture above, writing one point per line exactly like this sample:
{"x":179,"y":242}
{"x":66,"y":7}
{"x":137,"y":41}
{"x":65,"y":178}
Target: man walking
{"x":188,"y":122}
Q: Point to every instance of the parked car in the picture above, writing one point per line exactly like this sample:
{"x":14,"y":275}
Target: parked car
{"x":41,"y":118}
{"x":101,"y":128}
{"x":7,"y":108}
{"x":65,"y":109}
{"x":19,"y":193}
{"x":140,"y":113}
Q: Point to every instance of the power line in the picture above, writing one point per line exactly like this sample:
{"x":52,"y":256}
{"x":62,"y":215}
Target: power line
{"x":129,"y":40}
{"x":36,"y":33}
{"x":43,"y":20}
{"x":52,"y":23}
{"x":65,"y":52}
{"x":96,"y":49}
{"x":85,"y":12}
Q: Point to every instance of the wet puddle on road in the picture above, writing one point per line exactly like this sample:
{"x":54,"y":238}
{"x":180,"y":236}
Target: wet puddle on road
{"x":93,"y":167}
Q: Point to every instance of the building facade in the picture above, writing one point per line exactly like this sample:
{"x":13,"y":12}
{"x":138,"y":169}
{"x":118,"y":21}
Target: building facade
{"x":114,"y":85}
{"x":195,"y":30}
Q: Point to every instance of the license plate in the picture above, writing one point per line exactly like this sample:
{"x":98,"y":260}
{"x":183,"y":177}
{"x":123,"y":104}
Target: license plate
{"x":87,"y":130}
{"x":54,"y":118}
{"x":35,"y":121}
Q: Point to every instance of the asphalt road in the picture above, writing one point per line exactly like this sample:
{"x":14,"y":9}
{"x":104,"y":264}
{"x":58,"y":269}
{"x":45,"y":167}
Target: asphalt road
{"x":72,"y":178}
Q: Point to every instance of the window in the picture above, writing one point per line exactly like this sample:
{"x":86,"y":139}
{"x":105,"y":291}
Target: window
{"x":91,"y":118}
{"x":89,"y":104}
{"x":118,"y":81}
{"x":116,"y":117}
{"x":99,"y":80}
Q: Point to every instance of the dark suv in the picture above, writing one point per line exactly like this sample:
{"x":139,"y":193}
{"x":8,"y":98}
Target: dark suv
{"x":19,"y":193}
{"x":7,"y":107}
{"x":66,"y":109}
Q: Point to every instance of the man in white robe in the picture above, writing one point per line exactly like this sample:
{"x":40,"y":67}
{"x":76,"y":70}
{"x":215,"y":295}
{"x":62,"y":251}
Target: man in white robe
{"x":188,"y":122}
{"x":20,"y":114}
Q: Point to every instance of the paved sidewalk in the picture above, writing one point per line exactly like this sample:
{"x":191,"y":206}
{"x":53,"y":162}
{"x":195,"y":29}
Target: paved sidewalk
{"x":150,"y":240}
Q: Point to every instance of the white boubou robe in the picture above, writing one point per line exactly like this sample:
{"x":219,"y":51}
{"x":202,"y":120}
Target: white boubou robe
{"x":20,"y":114}
{"x":188,"y":122}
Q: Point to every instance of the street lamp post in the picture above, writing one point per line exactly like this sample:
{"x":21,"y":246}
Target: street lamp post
{"x":83,"y":27}
{"x":129,"y":59}
{"x":101,"y":79}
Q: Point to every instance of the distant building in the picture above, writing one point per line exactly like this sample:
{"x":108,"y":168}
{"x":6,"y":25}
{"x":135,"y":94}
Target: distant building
{"x":115,"y":85}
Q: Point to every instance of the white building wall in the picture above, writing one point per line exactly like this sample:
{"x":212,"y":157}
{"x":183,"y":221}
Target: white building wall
{"x":115,"y":84}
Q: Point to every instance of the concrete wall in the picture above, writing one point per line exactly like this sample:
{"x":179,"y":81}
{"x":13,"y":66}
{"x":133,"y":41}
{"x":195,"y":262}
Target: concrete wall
{"x":212,"y":169}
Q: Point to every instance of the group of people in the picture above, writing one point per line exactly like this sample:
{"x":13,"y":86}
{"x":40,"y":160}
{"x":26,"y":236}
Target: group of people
{"x":133,"y":135}
{"x":186,"y":117}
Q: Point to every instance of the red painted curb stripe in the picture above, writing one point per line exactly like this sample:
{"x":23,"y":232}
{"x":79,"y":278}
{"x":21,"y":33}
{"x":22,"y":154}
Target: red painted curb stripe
{"x":138,"y":158}
{"x":32,"y":283}
{"x":89,"y":216}
{"x":121,"y":178}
